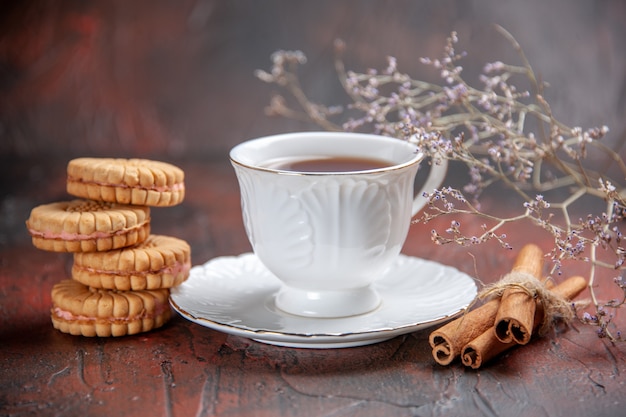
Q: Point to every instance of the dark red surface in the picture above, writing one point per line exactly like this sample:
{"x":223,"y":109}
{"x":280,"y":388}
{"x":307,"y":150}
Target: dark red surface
{"x":184,"y":369}
{"x":173,"y":81}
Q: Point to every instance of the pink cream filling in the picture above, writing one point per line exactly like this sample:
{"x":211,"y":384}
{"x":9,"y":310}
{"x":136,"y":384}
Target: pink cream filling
{"x":159,"y":309}
{"x":175,"y":269}
{"x":80,"y":236}
{"x":160,"y":188}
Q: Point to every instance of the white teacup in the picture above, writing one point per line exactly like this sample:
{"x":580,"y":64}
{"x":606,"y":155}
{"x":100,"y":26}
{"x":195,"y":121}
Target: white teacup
{"x":328,"y":235}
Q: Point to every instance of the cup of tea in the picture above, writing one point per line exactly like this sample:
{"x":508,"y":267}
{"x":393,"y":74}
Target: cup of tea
{"x":327,"y":213}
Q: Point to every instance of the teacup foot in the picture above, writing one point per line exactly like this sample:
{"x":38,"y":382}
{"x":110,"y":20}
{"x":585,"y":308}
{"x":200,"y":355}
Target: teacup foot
{"x":327,"y":304}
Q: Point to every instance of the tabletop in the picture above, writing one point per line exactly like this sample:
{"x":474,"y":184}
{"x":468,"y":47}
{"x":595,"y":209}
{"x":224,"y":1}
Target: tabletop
{"x":99,"y":80}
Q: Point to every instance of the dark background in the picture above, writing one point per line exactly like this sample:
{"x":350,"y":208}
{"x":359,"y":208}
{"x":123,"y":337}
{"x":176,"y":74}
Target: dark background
{"x":174,"y":79}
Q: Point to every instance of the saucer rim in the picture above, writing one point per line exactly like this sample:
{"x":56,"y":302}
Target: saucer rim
{"x":321,"y":340}
{"x":317,"y":340}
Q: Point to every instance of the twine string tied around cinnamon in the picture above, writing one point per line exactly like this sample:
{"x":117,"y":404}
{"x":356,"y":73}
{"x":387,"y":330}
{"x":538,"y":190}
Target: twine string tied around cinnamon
{"x":555,"y":306}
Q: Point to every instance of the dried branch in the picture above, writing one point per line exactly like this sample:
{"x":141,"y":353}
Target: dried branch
{"x":502,"y":135}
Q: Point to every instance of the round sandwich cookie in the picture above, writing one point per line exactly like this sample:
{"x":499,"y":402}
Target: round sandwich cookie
{"x":126,"y":181}
{"x":87,"y":226}
{"x":158,"y":262}
{"x":81,"y":310}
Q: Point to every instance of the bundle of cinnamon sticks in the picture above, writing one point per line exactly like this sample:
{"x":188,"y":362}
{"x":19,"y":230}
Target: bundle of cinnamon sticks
{"x":519,"y":306}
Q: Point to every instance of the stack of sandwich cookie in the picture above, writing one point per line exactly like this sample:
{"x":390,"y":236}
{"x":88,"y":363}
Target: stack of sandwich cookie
{"x":122,"y":274}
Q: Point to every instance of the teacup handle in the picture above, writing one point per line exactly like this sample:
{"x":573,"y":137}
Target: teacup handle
{"x":435,"y":178}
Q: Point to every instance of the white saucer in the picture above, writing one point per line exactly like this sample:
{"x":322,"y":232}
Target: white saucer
{"x":235,"y":295}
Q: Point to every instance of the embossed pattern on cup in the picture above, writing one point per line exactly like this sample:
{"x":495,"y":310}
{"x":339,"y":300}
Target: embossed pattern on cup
{"x":332,"y":233}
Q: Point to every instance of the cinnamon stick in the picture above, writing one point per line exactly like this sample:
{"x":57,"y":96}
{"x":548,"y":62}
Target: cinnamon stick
{"x":515,"y":318}
{"x":448,"y":341}
{"x":487,"y":345}
{"x":482,"y":349}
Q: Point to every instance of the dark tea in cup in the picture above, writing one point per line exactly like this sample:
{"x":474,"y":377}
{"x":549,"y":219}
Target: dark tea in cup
{"x":328,"y":164}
